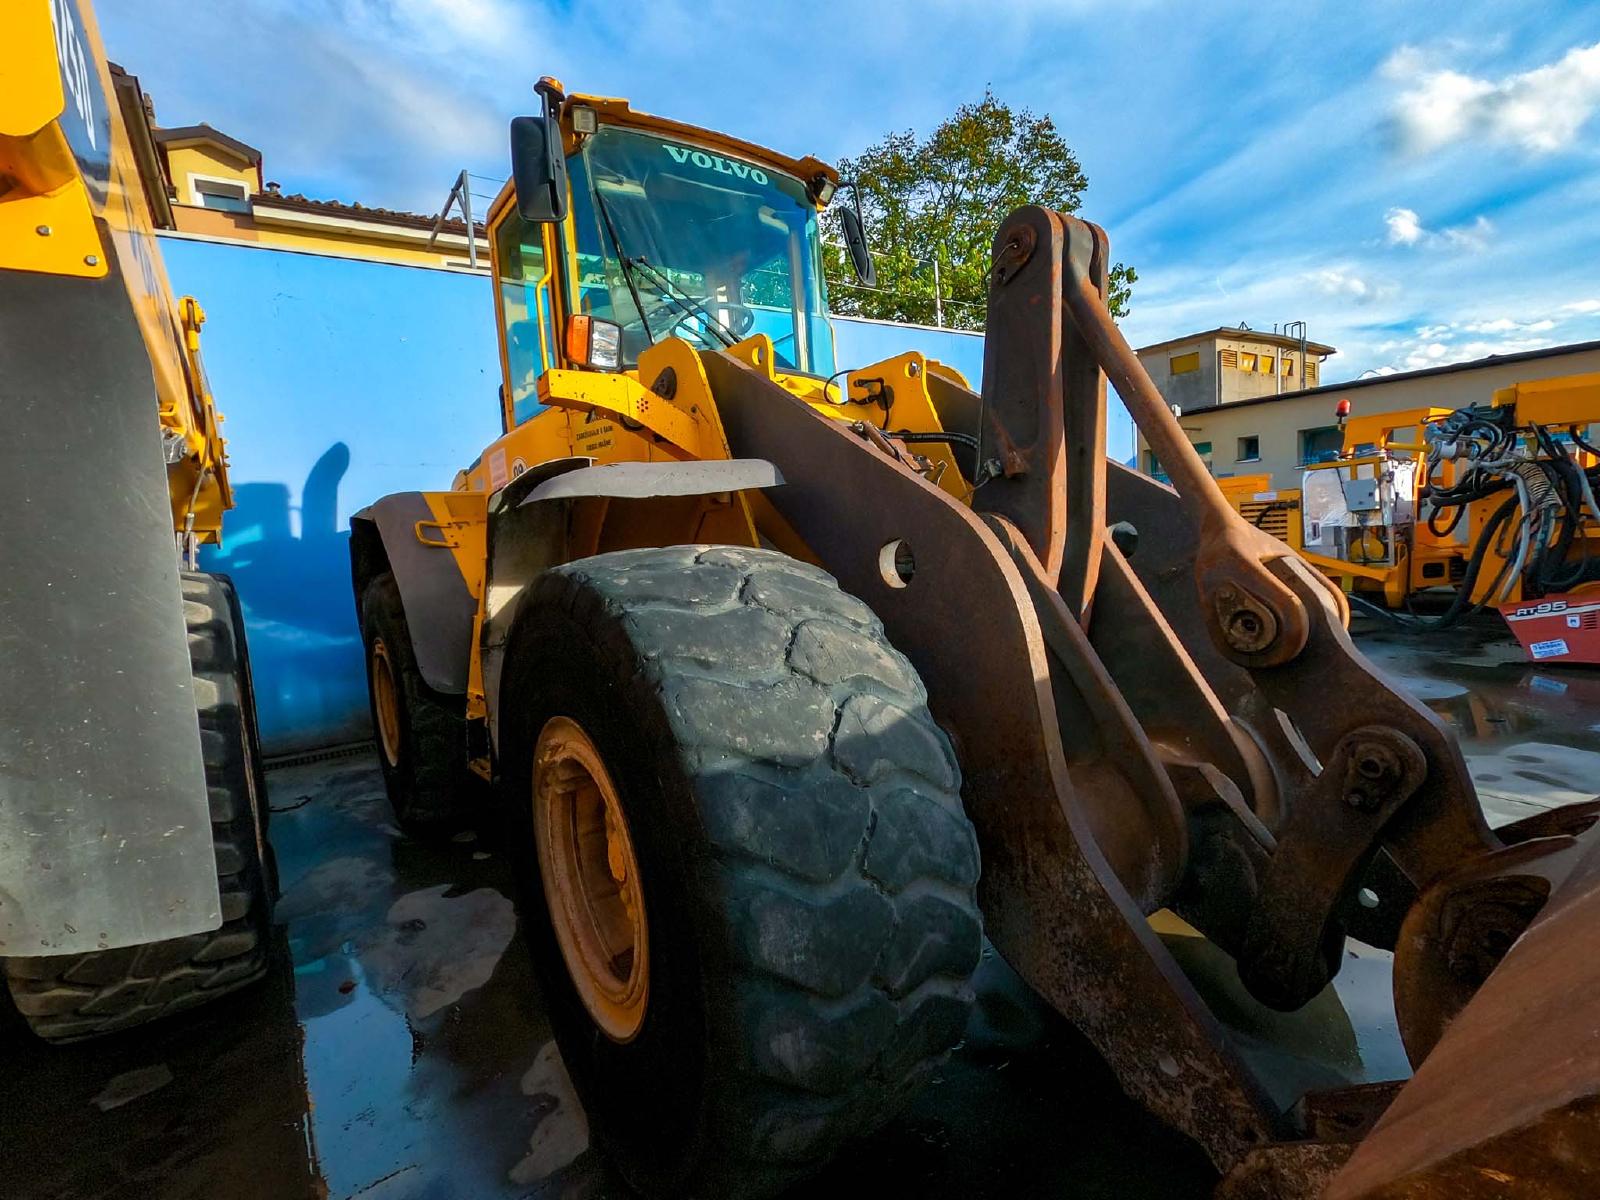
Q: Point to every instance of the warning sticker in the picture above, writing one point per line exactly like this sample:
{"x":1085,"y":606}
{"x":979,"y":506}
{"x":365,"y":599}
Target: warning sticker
{"x":1555,"y":648}
{"x":497,"y":470}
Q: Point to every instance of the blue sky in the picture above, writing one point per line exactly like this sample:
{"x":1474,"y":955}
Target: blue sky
{"x":1419,"y":182}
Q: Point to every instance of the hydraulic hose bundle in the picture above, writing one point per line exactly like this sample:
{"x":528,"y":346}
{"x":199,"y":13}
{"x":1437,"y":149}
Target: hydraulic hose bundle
{"x":1537,"y":531}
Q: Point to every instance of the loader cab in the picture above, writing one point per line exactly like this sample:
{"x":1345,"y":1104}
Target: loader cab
{"x":667,"y":231}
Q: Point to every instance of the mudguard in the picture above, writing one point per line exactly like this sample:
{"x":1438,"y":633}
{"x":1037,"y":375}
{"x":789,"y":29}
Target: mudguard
{"x":105,"y":834}
{"x":439,"y":605}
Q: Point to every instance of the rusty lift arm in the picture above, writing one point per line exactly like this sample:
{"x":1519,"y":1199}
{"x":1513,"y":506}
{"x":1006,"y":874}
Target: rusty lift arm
{"x":1177,"y":721}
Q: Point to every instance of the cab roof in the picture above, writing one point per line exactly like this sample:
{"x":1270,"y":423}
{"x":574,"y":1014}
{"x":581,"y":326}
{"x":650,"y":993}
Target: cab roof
{"x":615,"y":111}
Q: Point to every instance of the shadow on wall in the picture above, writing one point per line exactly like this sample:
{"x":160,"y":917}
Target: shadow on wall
{"x":305,"y":647}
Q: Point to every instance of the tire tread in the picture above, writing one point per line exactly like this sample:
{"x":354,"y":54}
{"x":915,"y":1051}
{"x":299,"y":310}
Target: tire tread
{"x":805,"y":754}
{"x":70,"y":997}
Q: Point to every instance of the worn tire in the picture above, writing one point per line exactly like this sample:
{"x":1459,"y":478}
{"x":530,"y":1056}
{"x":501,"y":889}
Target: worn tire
{"x":807,"y":867}
{"x":426,"y":777}
{"x":72,"y":996}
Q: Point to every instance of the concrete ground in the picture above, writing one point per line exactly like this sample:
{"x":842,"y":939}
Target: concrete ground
{"x":399,"y":1051}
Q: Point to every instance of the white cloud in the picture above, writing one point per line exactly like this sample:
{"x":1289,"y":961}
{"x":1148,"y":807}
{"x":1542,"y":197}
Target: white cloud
{"x":1538,"y":111}
{"x":1582,"y":307}
{"x":1406,"y":229}
{"x":1461,"y":341}
{"x":1345,"y":283}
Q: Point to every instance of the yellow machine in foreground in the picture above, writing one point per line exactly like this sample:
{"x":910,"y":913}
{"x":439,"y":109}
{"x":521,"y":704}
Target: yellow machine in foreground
{"x":133,"y":876}
{"x":1493,"y":502}
{"x":759,"y":654}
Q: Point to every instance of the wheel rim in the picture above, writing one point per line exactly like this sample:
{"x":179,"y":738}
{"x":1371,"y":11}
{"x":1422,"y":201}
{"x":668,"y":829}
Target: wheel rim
{"x":386,"y":702}
{"x":591,"y":878}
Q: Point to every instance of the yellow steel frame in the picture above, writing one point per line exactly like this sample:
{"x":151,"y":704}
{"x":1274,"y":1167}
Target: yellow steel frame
{"x":51,"y":221}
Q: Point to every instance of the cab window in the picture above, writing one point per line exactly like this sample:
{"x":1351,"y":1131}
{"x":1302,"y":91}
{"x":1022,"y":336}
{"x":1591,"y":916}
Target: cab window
{"x":529,"y":328}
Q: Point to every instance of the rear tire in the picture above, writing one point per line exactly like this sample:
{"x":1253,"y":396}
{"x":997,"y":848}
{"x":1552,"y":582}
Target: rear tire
{"x":807,"y":869}
{"x":421,"y":733}
{"x":68,"y":997}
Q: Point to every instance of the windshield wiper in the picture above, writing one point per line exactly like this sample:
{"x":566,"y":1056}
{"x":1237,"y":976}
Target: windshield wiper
{"x":680,"y":296}
{"x":627,"y":263}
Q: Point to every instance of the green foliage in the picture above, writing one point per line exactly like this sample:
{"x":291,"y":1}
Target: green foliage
{"x":944,"y":197}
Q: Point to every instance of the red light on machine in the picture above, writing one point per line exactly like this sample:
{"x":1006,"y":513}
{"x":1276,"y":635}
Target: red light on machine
{"x":1342,"y":410}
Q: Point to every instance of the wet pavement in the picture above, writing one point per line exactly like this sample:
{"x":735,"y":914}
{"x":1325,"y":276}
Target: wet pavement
{"x":399,"y":1050}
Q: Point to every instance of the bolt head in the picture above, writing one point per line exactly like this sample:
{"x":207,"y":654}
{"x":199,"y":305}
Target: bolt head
{"x":91,"y":260}
{"x":42,"y":230}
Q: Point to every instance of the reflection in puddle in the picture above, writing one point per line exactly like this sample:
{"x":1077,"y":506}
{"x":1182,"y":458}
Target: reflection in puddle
{"x":357,"y":1060}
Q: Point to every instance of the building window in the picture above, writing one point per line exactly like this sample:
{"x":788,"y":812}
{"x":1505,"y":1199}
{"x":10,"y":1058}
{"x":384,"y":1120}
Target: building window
{"x":1228,"y":358}
{"x":1247,"y":361}
{"x":1288,"y":367}
{"x":1320,"y":445}
{"x":221,"y":194}
{"x":1250,"y":448}
{"x":1184,"y":364}
{"x":1311,"y":373}
{"x":1266,"y":364}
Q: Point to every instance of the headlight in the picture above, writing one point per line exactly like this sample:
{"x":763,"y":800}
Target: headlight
{"x":594,"y":343}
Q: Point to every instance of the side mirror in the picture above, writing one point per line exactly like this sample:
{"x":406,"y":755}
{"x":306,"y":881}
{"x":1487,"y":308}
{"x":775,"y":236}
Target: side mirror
{"x":538,"y":169}
{"x":855,"y":239}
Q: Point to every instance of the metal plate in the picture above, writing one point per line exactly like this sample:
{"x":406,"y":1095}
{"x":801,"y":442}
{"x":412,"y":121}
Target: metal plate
{"x":105,"y":835}
{"x":643,"y":479}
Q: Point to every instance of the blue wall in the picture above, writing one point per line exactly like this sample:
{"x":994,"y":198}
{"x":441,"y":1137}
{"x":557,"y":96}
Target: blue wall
{"x":343,"y":381}
{"x":857,"y":343}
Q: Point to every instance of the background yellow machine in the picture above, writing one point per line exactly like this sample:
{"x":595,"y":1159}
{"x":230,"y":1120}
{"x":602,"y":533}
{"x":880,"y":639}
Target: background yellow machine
{"x":758,"y":654}
{"x":134,"y":879}
{"x":1489,"y":504}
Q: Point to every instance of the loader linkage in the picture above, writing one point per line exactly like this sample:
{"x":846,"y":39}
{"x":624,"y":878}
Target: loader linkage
{"x":1176,"y":719}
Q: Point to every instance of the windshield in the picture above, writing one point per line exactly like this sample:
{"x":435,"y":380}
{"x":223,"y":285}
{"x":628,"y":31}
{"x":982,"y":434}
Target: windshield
{"x":677,"y":241}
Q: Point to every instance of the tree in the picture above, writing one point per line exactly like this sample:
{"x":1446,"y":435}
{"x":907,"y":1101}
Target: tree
{"x":942,"y":199}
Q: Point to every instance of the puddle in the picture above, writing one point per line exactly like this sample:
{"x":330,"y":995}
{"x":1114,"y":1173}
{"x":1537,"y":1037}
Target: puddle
{"x":435,"y":949}
{"x":357,"y":1062}
{"x":400,"y":1051}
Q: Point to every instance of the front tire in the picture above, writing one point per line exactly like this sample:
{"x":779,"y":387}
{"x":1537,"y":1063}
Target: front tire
{"x":421,"y":733}
{"x":804,"y":870}
{"x":68,"y":997}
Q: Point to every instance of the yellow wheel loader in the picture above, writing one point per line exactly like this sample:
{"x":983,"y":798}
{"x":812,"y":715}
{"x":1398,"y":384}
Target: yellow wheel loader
{"x":134,"y":875}
{"x":763,"y":656}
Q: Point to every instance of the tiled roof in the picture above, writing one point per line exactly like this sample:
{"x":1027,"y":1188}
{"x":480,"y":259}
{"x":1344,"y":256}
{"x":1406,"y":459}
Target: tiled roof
{"x":388,"y":216}
{"x":360,"y":212}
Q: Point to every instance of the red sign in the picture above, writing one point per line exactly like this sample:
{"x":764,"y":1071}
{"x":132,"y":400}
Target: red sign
{"x":1557,"y":629}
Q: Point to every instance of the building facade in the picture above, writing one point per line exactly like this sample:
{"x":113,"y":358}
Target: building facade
{"x":1277,"y":434}
{"x":1224,"y":366}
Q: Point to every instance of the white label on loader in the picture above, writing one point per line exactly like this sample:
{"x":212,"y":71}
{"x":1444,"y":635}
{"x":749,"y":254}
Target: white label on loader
{"x":1554,"y":648}
{"x":497,"y":470}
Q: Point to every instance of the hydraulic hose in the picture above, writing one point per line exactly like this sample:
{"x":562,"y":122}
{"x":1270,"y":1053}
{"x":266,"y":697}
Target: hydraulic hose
{"x":1461,"y":605}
